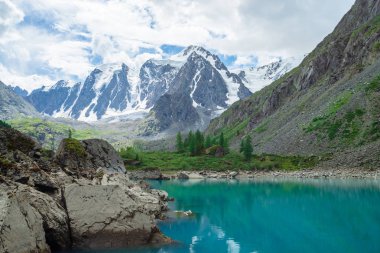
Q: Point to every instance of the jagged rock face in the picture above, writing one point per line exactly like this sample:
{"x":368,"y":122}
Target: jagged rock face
{"x":31,"y":221}
{"x":86,"y":95}
{"x":99,"y":93}
{"x":202,"y":82}
{"x":235,"y":86}
{"x":19,"y":91}
{"x":71,"y":98}
{"x":155,"y":81}
{"x":87,"y":156}
{"x":106,"y":89}
{"x":13,"y":105}
{"x":284,"y":115}
{"x":41,"y":98}
{"x":175,"y":108}
{"x":115,"y":95}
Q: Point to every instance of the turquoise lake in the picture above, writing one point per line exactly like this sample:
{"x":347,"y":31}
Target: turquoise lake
{"x":272,"y":216}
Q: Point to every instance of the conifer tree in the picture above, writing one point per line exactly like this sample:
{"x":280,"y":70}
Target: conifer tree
{"x":221,"y":140}
{"x":242,"y":143}
{"x":179,"y":143}
{"x":208,"y":142}
{"x":199,"y":142}
{"x":248,"y":150}
{"x":192,"y":144}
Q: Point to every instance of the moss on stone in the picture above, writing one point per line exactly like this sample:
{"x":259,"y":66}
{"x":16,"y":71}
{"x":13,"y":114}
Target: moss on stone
{"x":74,"y":146}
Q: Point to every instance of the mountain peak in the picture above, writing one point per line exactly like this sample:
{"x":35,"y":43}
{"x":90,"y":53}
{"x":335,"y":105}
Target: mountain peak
{"x":111,"y":67}
{"x":198,"y":49}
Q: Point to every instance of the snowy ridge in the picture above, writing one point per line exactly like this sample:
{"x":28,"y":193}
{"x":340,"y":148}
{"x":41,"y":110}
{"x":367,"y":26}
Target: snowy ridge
{"x":115,"y":90}
{"x":259,"y":77}
{"x":232,"y":84}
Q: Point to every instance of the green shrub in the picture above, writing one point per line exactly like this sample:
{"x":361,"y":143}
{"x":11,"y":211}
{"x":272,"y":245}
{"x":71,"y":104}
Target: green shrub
{"x":374,"y":85}
{"x":75,"y":147}
{"x":4,"y":124}
{"x":376,"y":47}
{"x":131,"y":153}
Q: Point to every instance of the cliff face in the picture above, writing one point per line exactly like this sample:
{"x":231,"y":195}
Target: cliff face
{"x":78,"y":199}
{"x":328,"y":103}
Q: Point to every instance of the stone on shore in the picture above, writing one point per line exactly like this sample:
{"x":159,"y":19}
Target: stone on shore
{"x":112,"y":216}
{"x":31,"y":221}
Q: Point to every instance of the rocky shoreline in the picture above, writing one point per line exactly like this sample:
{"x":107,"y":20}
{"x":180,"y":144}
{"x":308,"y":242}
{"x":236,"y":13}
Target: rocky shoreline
{"x":317,"y":172}
{"x":78,"y":198}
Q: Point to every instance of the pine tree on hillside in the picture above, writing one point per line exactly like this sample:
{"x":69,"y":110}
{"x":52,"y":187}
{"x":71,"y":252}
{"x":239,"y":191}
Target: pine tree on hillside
{"x":179,"y":143}
{"x":208,"y":142}
{"x":221,"y":140}
{"x":191,"y":144}
{"x":186,"y":143}
{"x":248,"y":149}
{"x":242,"y":143}
{"x":199,"y":142}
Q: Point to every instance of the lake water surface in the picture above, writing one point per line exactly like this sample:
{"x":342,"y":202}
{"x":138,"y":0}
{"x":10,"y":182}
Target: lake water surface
{"x":272,"y":216}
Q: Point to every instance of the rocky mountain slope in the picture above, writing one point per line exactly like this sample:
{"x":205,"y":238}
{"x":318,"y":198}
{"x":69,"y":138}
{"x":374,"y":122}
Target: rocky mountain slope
{"x":12,"y":105}
{"x":330,"y":103}
{"x":79,"y":198}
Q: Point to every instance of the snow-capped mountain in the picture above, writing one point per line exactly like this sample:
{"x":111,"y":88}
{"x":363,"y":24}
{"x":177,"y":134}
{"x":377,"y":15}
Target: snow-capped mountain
{"x":201,"y":90}
{"x":155,"y":79}
{"x":255,"y":78}
{"x":115,"y":90}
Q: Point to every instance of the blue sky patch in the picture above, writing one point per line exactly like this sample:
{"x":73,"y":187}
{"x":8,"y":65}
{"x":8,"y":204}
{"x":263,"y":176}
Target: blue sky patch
{"x":171,"y":49}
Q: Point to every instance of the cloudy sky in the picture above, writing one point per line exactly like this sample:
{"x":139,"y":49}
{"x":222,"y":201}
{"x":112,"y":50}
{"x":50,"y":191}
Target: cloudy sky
{"x":42,"y":41}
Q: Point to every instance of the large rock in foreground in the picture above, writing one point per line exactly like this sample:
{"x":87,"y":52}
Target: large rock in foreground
{"x":113,"y":215}
{"x":87,"y":156}
{"x":31,"y":221}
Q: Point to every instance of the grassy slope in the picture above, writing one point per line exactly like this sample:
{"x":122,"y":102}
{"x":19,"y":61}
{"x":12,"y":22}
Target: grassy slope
{"x":49,"y":133}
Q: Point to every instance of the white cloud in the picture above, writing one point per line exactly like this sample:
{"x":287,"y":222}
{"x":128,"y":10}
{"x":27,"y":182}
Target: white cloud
{"x":58,"y":38}
{"x":30,"y":81}
{"x":9,"y":15}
